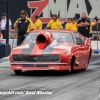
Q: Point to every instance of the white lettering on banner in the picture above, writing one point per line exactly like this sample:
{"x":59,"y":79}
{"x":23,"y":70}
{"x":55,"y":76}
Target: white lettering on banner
{"x":95,"y":4}
{"x":57,"y":8}
{"x":73,"y":9}
{"x":46,"y":12}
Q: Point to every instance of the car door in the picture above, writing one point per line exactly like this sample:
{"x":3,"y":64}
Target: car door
{"x":82,"y":48}
{"x":76,"y":50}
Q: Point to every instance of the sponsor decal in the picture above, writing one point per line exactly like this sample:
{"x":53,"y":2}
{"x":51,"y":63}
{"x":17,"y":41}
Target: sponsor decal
{"x":19,"y":21}
{"x":35,"y":58}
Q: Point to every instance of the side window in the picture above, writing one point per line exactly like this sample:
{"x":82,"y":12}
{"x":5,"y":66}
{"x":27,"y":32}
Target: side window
{"x":79,"y":39}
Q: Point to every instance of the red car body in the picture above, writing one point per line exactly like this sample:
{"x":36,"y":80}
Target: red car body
{"x":45,"y":52}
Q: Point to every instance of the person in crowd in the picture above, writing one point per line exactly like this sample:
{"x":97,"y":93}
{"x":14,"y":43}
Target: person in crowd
{"x":92,"y":24}
{"x":54,"y":23}
{"x":23,"y":26}
{"x":83,"y":25}
{"x":37,"y":23}
{"x":72,"y":25}
{"x":68,"y":24}
{"x":4,"y":26}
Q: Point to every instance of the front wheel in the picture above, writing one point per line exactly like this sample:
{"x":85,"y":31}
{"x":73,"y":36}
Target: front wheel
{"x":18,"y":72}
{"x":87,"y":63}
{"x":71,"y":66}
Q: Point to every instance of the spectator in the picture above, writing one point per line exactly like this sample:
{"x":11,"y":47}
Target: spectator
{"x":38,"y":23}
{"x":83,"y":25}
{"x":54,"y":23}
{"x":23,"y":26}
{"x":92,"y":23}
{"x":68,"y":24}
{"x":72,"y":25}
{"x":4,"y":25}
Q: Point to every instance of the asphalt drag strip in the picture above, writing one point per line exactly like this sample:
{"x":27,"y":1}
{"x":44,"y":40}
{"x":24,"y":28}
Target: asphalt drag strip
{"x":80,"y":85}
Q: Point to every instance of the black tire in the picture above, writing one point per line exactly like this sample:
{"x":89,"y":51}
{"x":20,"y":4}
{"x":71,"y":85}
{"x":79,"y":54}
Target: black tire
{"x":18,"y":72}
{"x":87,"y":63}
{"x":71,"y":66}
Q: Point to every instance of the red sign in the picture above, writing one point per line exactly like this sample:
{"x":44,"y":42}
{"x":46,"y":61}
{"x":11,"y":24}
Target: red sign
{"x":39,"y":5}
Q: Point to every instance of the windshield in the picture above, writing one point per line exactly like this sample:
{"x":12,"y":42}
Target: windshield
{"x":29,"y":38}
{"x":59,"y":36}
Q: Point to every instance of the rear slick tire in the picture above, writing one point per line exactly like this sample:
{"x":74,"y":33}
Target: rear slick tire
{"x":18,"y":72}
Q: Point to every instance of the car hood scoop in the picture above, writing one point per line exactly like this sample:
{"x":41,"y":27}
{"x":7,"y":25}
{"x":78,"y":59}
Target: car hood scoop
{"x":44,"y":39}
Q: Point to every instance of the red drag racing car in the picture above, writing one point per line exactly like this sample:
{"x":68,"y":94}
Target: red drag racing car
{"x":51,"y":50}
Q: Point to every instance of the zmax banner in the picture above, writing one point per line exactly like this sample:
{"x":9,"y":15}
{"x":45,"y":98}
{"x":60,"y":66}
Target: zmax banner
{"x":64,"y":8}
